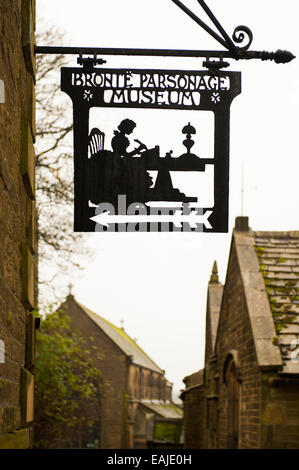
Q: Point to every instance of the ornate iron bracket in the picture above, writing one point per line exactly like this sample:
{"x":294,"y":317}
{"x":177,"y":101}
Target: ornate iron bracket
{"x":235,"y":47}
{"x":239,"y":35}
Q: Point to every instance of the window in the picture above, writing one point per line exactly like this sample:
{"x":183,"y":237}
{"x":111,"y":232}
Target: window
{"x":232,"y":399}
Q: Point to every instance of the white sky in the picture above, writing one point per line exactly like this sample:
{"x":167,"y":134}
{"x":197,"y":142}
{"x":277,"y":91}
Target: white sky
{"x":157,"y":282}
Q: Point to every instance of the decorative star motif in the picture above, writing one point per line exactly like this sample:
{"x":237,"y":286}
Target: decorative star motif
{"x":87,"y":95}
{"x":215,"y":98}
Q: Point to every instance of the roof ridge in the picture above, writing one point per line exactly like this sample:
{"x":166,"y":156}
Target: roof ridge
{"x":273,"y":233}
{"x":122,"y":331}
{"x":122,"y":334}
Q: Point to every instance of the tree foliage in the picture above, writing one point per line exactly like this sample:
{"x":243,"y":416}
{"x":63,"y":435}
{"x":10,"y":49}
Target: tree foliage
{"x":60,"y":250}
{"x":68,"y":386}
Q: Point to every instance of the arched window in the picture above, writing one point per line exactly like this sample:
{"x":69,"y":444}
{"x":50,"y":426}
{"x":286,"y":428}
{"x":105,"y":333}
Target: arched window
{"x":232,"y":382}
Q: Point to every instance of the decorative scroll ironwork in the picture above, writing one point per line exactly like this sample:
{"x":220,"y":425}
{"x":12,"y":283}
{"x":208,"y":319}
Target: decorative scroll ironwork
{"x":239,"y":35}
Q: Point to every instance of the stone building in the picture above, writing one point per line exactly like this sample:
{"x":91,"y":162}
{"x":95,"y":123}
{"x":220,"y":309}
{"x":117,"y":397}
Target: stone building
{"x":17,"y":217}
{"x":247,"y":395}
{"x":137,"y":409}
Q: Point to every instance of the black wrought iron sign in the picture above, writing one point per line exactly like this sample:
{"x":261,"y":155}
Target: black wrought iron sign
{"x":123,"y":188}
{"x":108,"y":177}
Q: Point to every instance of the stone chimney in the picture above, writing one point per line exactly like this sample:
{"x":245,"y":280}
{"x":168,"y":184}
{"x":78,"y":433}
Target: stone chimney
{"x":242,"y":224}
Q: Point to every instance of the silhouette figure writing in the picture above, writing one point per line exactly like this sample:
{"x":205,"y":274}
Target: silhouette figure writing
{"x":120,"y":142}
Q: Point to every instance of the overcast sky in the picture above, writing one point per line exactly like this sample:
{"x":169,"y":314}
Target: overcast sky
{"x":157,"y":283}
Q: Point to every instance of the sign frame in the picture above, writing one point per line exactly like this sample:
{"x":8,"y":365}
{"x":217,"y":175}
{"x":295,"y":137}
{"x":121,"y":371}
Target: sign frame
{"x":87,"y":87}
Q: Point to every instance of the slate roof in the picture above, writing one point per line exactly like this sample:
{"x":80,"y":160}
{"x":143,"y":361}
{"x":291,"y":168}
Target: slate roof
{"x":123,"y":341}
{"x":278,"y":256}
{"x":258,"y":307}
{"x":165,"y":410}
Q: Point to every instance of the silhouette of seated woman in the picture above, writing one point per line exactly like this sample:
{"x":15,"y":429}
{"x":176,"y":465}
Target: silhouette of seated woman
{"x":125,"y":179}
{"x":120,"y":142}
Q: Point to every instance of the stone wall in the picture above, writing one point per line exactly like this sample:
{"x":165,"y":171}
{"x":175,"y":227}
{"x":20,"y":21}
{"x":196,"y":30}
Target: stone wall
{"x":280,"y":412}
{"x":250,"y":392}
{"x":17,"y":221}
{"x":147,"y":384}
{"x":194,"y":411}
{"x":235,"y":336}
{"x":125,"y":383}
{"x":114,"y":367}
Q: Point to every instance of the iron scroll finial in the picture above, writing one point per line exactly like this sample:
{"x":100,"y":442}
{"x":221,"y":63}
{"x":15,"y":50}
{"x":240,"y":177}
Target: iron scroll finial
{"x":279,"y":57}
{"x":240,"y":34}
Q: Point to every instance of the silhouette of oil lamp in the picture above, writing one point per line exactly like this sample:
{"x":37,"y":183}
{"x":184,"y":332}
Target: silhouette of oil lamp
{"x":188,"y":142}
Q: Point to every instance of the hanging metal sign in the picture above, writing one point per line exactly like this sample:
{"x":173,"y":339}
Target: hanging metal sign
{"x":112,"y":184}
{"x":120,"y":188}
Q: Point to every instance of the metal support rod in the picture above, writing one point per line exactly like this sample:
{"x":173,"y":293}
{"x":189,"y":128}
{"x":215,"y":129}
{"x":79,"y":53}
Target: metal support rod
{"x":230,"y":44}
{"x":129,"y":52}
{"x":200,"y":22}
{"x":280,"y":57}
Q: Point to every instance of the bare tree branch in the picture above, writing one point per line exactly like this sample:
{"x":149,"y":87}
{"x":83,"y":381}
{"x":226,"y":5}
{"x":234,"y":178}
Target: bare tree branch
{"x":61,"y":252}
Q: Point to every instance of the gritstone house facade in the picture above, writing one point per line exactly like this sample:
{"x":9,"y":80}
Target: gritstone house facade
{"x":247,"y":395}
{"x":137,"y":409}
{"x":17,"y":222}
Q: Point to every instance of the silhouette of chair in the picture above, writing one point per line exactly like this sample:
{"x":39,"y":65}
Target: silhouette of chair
{"x":96,"y":141}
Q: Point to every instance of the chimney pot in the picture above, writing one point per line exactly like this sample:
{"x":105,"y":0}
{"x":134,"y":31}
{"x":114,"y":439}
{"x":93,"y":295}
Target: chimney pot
{"x":242,"y":224}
